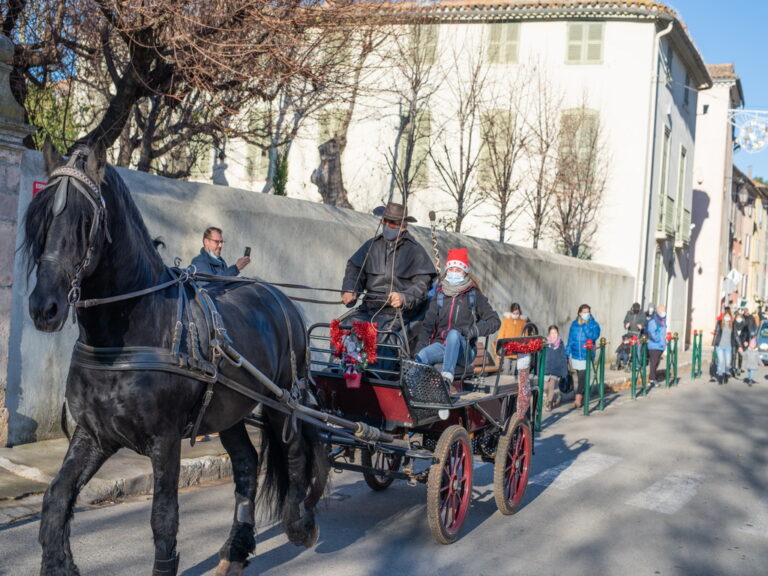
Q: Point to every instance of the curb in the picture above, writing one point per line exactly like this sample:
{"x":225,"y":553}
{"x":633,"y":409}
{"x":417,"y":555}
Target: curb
{"x":193,"y":471}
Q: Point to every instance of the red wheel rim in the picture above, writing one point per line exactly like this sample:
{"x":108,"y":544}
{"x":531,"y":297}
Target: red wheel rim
{"x":517,"y":465}
{"x":456,"y":486}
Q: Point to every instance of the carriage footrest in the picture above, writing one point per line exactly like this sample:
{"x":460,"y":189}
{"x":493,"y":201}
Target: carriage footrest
{"x":424,"y":385}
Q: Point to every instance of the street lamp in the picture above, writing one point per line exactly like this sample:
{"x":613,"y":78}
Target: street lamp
{"x":743,"y":195}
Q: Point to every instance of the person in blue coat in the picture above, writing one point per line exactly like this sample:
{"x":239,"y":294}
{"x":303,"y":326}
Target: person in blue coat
{"x":584,"y":328}
{"x":555,"y":367}
{"x":657,"y":342}
{"x":209,"y":261}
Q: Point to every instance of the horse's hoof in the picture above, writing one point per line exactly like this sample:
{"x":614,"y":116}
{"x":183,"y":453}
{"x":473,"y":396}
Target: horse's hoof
{"x":312,"y":537}
{"x":227,"y":568}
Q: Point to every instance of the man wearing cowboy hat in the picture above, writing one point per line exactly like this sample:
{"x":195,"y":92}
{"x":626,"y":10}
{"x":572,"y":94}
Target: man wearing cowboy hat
{"x":392,"y":270}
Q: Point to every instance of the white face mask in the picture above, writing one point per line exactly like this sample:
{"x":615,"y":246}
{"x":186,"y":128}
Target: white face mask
{"x":662,"y":314}
{"x":454,"y":278}
{"x":515,"y":314}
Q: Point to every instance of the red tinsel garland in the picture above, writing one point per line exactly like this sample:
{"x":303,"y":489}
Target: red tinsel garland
{"x":365,"y":331}
{"x":523,"y":346}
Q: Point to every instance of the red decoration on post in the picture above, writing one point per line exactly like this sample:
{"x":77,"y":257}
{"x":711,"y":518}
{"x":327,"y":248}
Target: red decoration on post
{"x":634,"y":341}
{"x":669,"y":336}
{"x":590,"y":345}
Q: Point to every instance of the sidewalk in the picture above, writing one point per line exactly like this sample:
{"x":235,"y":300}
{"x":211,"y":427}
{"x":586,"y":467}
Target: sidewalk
{"x":27,"y":469}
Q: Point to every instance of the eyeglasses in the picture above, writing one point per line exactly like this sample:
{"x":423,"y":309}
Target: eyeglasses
{"x":215,"y":241}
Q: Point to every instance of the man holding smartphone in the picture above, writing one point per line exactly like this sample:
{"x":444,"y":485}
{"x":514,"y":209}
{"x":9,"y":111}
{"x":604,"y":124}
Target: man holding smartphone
{"x":209,"y":261}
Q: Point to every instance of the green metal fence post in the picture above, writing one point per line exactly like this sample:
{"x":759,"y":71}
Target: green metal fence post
{"x":601,"y":376}
{"x":675,"y":344}
{"x":644,"y":366}
{"x":540,"y":379}
{"x":701,"y":353}
{"x":633,"y":384}
{"x":693,"y":355}
{"x":588,"y":377}
{"x":668,"y":360}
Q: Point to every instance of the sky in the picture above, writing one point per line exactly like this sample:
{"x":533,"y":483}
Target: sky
{"x":733,"y":31}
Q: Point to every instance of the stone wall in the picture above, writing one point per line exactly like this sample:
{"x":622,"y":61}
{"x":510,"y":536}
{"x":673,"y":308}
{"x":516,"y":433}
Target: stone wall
{"x":293,"y":241}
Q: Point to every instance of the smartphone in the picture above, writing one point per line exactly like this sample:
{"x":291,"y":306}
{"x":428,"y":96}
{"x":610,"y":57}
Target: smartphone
{"x":247,"y":253}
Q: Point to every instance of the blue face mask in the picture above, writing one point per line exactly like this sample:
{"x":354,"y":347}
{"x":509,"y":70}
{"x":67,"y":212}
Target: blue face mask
{"x":390,"y":234}
{"x":454,"y":278}
{"x":585,"y":316}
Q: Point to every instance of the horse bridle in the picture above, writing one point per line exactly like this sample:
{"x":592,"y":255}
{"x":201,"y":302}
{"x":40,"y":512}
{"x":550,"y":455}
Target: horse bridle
{"x":62,"y":177}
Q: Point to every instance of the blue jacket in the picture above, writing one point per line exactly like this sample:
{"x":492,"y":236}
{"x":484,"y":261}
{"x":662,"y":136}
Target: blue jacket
{"x":578,"y":336}
{"x":556,"y":362}
{"x":657,"y":333}
{"x":207,"y":264}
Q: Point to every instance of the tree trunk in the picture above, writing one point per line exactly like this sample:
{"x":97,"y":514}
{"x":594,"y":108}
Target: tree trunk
{"x":328,"y":177}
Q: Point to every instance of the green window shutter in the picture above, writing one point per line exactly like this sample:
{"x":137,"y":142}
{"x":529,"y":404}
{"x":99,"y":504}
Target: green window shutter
{"x":511,"y":42}
{"x":594,"y":47}
{"x":575,"y":40}
{"x":421,"y":150}
{"x":494,"y":43}
{"x":329,"y":124}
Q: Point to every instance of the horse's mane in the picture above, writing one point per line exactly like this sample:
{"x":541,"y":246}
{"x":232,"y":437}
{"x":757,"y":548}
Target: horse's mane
{"x":129,"y":227}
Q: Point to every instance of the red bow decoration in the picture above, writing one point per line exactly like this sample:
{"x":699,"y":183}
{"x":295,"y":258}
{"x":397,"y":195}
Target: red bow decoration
{"x":634,"y":341}
{"x":590,"y":345}
{"x":527,"y":346}
{"x":669,"y":336}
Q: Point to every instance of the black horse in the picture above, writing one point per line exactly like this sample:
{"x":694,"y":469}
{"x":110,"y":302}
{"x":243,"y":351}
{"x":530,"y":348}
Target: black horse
{"x":88,"y":241}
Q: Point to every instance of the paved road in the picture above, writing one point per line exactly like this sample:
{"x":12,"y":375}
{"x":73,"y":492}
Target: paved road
{"x":673,"y":484}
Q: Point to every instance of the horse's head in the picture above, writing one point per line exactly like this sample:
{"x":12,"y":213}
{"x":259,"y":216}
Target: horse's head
{"x":65,"y":232}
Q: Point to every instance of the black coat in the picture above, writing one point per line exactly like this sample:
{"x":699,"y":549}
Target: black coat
{"x":718,"y":334}
{"x":380,"y":267}
{"x":457,"y":313}
{"x":556,"y":363}
{"x":633,"y":320}
{"x":742,"y":330}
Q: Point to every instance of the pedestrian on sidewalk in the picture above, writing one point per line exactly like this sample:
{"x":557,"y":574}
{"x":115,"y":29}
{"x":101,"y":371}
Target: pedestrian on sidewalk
{"x":583,"y":328}
{"x":751,"y":361}
{"x":512,"y":327}
{"x":741,"y":327}
{"x":657,"y":342}
{"x":724,"y":342}
{"x":555,"y":368}
{"x":635,"y":321}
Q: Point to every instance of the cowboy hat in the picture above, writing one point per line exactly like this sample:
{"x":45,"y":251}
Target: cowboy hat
{"x":393,"y":212}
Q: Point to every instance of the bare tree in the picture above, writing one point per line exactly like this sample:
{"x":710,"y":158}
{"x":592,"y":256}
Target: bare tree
{"x":413,"y":57}
{"x":545,"y":103}
{"x":581,"y":179}
{"x":457,"y":146}
{"x":505,"y":134}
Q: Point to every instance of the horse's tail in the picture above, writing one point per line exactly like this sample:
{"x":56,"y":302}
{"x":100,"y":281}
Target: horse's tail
{"x":274,"y":490}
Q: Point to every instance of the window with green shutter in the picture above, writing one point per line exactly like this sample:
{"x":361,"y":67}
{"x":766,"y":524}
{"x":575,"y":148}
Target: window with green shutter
{"x":419,"y":169}
{"x":424,"y":43}
{"x":503,"y":40}
{"x":578,"y":135}
{"x":584,"y":43}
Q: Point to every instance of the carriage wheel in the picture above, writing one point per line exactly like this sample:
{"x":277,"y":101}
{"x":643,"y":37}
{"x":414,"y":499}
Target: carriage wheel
{"x":449,"y":486}
{"x":379,"y":461}
{"x":513,"y":461}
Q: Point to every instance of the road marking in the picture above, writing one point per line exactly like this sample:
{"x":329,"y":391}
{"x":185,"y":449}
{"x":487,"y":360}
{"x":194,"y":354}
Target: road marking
{"x":669,"y":494}
{"x":569,"y":473}
{"x":759,"y":524}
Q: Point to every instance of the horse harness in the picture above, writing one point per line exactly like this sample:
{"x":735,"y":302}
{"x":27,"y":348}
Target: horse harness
{"x":195,"y":362}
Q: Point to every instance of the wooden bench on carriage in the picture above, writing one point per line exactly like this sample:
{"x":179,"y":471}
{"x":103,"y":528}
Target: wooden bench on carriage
{"x":437,"y":429}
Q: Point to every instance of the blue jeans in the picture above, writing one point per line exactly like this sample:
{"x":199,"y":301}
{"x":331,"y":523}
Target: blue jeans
{"x":455,"y":347}
{"x":750,"y":374}
{"x":723,"y":359}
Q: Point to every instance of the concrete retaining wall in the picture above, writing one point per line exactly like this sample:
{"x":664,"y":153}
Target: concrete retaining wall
{"x":292,"y":241}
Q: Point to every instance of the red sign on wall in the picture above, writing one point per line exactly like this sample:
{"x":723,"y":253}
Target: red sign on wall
{"x":37,"y":186}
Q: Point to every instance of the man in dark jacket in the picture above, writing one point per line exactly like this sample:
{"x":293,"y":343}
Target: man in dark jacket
{"x":209,"y":261}
{"x":457,"y":316}
{"x":635,"y":321}
{"x":392,"y":271}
